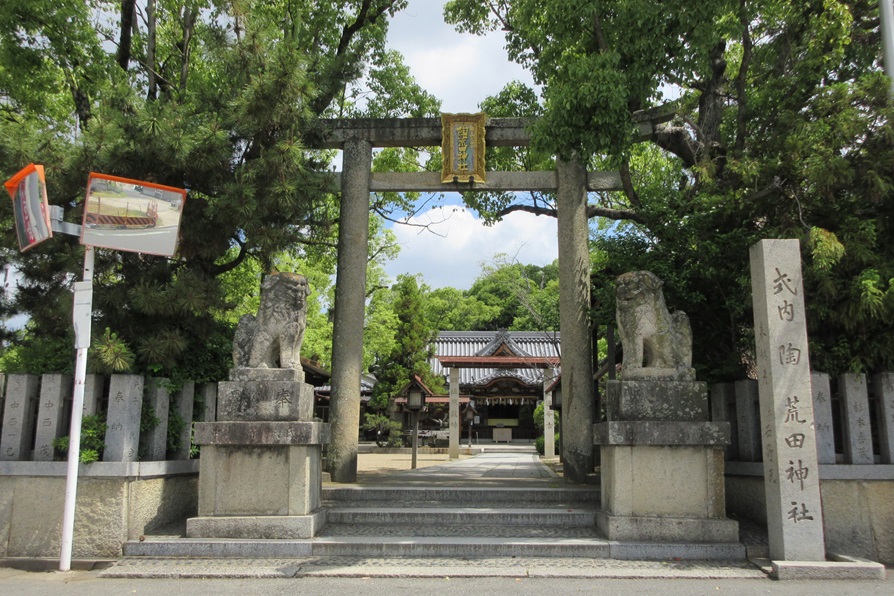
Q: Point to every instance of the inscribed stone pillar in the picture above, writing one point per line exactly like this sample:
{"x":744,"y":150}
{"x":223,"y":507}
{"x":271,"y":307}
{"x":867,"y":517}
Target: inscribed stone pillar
{"x":453,"y":416}
{"x":791,"y":472}
{"x":123,"y":418}
{"x":723,"y":409}
{"x":822,"y":415}
{"x":574,"y":324}
{"x":18,"y":412}
{"x":549,"y":419}
{"x":208,"y":396}
{"x":883,"y":389}
{"x":748,"y":421}
{"x":855,"y":403}
{"x":93,"y":389}
{"x":54,"y":389}
{"x":158,"y":401}
{"x":183,"y":401}
{"x":350,"y":298}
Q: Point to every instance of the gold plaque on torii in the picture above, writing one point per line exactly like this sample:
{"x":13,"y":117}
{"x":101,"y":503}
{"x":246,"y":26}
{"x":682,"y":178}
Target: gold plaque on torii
{"x":462,"y":147}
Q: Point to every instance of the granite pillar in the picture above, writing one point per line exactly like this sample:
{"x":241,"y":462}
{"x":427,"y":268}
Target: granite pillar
{"x":854,"y":397}
{"x":453,"y":414}
{"x":94,"y":386}
{"x":723,"y":409}
{"x":350,"y":303}
{"x":183,"y":404}
{"x":54,"y":389}
{"x":123,"y":418}
{"x":154,"y":441}
{"x":794,"y":508}
{"x":549,"y":419}
{"x":748,"y":420}
{"x":822,"y":414}
{"x":18,"y":414}
{"x":883,"y":389}
{"x":574,"y":323}
{"x":208,"y":396}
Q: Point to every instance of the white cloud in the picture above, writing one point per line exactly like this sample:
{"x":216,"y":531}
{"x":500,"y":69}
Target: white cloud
{"x":460,"y":69}
{"x":453,"y":254}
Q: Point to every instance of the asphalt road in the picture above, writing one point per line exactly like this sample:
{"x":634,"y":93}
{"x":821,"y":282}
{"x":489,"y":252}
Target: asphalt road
{"x":87,"y":582}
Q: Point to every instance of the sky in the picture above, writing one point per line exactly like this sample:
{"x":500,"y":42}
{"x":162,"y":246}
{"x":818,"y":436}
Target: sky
{"x":460,"y":70}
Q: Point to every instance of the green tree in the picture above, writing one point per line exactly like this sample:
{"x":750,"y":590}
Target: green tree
{"x":782,"y":129}
{"x":214,"y":97}
{"x":412,"y":348}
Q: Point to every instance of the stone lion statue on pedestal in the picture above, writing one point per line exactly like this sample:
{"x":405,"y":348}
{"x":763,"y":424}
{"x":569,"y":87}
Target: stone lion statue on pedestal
{"x":657,"y":344}
{"x":273,"y":338}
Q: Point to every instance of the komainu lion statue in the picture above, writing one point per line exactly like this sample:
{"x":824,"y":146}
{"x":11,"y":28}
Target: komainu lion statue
{"x":273,"y":338}
{"x":657,"y":344}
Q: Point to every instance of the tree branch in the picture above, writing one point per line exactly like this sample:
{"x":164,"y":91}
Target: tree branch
{"x":216,"y":270}
{"x":592,"y":211}
{"x":741,"y":81}
{"x":614,"y":214}
{"x":678,"y":141}
{"x":627,"y":183}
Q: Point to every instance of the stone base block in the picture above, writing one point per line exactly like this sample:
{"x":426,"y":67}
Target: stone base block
{"x":840,"y":568}
{"x":257,"y":527}
{"x":676,"y":481}
{"x":685,"y":401}
{"x":279,"y":400}
{"x":667,"y":529}
{"x":267,"y":374}
{"x":259,"y":480}
{"x":261,"y":433}
{"x":662,"y":433}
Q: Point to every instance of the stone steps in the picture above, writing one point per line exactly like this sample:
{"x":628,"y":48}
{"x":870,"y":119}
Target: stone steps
{"x":452,"y":495}
{"x":459,"y":531}
{"x":451,"y":522}
{"x":461,"y":516}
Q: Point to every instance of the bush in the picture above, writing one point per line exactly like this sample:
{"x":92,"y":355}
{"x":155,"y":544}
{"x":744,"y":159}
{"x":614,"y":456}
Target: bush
{"x":93,"y":434}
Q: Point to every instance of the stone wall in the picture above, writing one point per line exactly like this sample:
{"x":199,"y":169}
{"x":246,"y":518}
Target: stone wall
{"x":115,"y":502}
{"x":855,"y":446}
{"x":119,"y":498}
{"x":858,"y":518}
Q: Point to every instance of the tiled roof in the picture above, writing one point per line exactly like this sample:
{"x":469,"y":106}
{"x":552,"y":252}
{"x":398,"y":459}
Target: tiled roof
{"x":484,"y":343}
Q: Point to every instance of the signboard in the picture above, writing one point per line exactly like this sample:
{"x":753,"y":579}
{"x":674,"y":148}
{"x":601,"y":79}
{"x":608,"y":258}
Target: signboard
{"x":30,"y":206}
{"x":131,"y":215}
{"x":462,"y":146}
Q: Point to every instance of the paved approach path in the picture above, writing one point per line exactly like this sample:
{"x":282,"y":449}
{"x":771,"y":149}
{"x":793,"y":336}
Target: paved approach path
{"x":494,"y":467}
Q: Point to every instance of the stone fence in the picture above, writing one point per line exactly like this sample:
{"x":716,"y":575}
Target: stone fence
{"x":139,"y":485}
{"x":854,"y":419}
{"x":36,"y":409}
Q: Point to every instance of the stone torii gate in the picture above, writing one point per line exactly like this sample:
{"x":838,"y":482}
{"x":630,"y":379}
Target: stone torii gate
{"x":570,"y":181}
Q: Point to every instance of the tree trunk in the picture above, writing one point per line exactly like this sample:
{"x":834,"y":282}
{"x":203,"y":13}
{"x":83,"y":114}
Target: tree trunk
{"x":124,"y":41}
{"x":151,"y":37}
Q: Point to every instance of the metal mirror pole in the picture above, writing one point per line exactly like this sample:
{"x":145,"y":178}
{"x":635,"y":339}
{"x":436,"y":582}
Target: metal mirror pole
{"x":82,"y":316}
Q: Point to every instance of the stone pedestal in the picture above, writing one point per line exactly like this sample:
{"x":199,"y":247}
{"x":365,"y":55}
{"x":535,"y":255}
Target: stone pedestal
{"x":260,"y":472}
{"x":662,"y":464}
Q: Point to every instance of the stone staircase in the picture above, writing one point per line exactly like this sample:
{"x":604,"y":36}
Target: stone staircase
{"x":461,"y":522}
{"x":444,"y":523}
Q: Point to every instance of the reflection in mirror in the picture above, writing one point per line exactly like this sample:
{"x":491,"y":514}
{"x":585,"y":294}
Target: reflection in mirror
{"x":131,"y":215}
{"x":30,"y":206}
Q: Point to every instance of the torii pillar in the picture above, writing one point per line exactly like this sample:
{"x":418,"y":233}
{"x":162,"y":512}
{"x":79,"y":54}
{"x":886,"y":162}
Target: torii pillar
{"x":350,"y":298}
{"x":574,"y":304}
